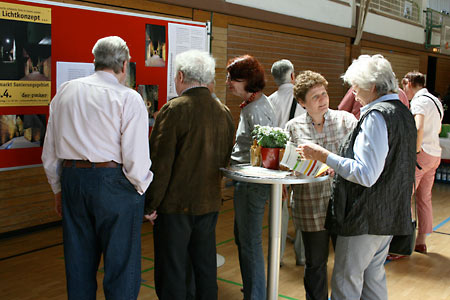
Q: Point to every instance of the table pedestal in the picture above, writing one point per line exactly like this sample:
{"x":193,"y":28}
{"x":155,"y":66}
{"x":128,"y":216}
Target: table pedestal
{"x":274,"y":241}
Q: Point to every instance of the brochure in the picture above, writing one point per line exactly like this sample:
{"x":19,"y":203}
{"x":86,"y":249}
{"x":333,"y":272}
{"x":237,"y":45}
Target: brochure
{"x":291,"y":159}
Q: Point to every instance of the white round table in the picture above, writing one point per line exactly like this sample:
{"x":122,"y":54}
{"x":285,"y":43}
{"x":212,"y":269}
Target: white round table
{"x":276,"y":178}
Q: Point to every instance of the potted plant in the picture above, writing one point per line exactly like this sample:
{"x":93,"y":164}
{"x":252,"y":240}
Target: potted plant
{"x":271,"y":140}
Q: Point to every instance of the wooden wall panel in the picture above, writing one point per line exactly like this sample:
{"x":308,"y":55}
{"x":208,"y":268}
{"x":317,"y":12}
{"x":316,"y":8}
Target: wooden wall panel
{"x":26,"y":199}
{"x":306,"y":53}
{"x":442,"y":83}
{"x":401,"y":63}
{"x":219,"y":52}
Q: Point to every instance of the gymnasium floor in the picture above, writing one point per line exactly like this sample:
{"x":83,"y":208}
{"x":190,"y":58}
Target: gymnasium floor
{"x":32,"y":266}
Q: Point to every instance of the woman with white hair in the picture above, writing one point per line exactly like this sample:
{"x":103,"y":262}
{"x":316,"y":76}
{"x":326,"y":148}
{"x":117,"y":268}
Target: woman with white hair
{"x":373,"y":183}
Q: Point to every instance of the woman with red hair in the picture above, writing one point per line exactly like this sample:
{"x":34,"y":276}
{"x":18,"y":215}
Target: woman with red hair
{"x":245,"y":79}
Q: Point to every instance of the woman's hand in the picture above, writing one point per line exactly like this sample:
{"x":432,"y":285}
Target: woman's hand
{"x":313,"y":152}
{"x":330,"y":172}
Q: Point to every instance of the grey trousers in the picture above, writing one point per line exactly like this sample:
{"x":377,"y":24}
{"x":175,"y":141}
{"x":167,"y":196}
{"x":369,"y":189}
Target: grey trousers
{"x":359,"y":267}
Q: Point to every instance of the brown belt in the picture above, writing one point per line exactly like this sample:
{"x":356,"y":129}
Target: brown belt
{"x":88,"y":164}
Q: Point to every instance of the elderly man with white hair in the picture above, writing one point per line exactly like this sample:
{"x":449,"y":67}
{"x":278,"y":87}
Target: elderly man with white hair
{"x":96,"y":158}
{"x":371,"y":199}
{"x":191,"y":140}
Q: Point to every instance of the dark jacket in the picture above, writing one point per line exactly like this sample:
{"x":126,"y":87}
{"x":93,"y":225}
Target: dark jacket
{"x":385,"y":207}
{"x":191,"y":139}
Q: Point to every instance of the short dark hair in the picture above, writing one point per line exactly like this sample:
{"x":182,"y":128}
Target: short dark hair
{"x":247,"y":68}
{"x":416,"y":79}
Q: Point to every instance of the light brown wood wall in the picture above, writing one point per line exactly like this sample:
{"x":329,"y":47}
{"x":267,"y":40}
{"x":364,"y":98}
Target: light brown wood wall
{"x":306,"y":53}
{"x":401,"y":63}
{"x":26,"y":199}
{"x":442,"y":75}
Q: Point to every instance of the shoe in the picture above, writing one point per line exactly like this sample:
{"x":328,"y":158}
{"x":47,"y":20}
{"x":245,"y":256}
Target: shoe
{"x":393,"y":257}
{"x":421,"y":248}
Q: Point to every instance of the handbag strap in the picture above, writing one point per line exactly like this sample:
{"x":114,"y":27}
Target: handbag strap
{"x":293,"y":107}
{"x":437,"y":107}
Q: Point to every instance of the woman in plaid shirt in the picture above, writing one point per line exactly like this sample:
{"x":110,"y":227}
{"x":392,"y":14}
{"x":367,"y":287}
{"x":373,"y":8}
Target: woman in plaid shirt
{"x":327,"y":128}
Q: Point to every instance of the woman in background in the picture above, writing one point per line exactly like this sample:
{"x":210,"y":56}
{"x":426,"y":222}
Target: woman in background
{"x":245,"y":79}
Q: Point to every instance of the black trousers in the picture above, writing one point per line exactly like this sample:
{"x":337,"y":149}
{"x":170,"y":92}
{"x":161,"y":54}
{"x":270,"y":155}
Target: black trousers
{"x":183,"y":243}
{"x":316,"y":254}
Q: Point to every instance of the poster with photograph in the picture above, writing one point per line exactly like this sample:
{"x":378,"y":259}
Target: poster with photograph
{"x":22,"y":131}
{"x":25,"y":56}
{"x":131,"y":75}
{"x":155,"y":45}
{"x":150,"y":95}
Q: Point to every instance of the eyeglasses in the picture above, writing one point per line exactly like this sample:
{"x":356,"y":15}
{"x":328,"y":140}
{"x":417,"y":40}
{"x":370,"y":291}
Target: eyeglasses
{"x":354,"y":92}
{"x":233,"y":79}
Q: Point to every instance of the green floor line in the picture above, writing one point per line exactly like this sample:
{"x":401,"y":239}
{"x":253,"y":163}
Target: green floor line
{"x":146,"y":270}
{"x":146,"y":233}
{"x":226,"y":210}
{"x":224,"y":242}
{"x":229,"y":281}
{"x":239,"y":284}
{"x":286,"y":297}
{"x":149,"y":286}
{"x":146,"y":258}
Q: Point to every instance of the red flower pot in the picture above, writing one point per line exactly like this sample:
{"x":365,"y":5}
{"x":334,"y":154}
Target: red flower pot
{"x":270,"y":158}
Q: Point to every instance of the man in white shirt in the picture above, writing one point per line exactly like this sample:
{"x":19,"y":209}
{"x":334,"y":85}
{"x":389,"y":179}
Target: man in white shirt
{"x":96,"y":157}
{"x":286,"y":108}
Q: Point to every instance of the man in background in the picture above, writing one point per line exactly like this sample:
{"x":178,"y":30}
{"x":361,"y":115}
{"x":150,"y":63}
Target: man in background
{"x":96,"y":158}
{"x":191,"y":140}
{"x":286,"y":108}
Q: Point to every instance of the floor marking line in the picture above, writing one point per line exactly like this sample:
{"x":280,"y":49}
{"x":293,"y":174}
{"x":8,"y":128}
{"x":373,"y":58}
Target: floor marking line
{"x":441,"y":224}
{"x":31,"y":251}
{"x":440,"y":232}
{"x":239,"y":284}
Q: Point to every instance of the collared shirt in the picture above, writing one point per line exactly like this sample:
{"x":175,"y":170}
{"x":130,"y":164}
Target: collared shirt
{"x":310,"y":201}
{"x":370,"y":149}
{"x":96,"y":118}
{"x":281,"y":101}
{"x":422,"y":105}
{"x":258,"y":112}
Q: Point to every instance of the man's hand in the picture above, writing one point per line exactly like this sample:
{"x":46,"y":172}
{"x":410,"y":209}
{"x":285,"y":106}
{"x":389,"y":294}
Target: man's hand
{"x":151,"y":217}
{"x":313,"y":152}
{"x":58,"y":204}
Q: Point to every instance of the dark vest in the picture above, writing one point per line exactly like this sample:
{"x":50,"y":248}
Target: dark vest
{"x":385,"y":207}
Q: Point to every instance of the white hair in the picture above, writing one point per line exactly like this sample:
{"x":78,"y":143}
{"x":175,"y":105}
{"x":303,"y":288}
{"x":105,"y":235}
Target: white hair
{"x":196,"y":66}
{"x":366,"y":71}
{"x":281,"y":71}
{"x":110,"y":53}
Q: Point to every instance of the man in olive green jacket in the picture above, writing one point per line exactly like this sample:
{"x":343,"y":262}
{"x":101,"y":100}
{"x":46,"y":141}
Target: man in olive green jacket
{"x":191,"y":140}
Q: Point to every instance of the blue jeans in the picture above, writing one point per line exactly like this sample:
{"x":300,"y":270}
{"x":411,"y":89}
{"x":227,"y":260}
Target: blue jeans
{"x":102,"y":213}
{"x":249,"y":204}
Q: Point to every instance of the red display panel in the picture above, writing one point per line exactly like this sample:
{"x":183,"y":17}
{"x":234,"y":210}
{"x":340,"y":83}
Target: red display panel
{"x":74,"y":31}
